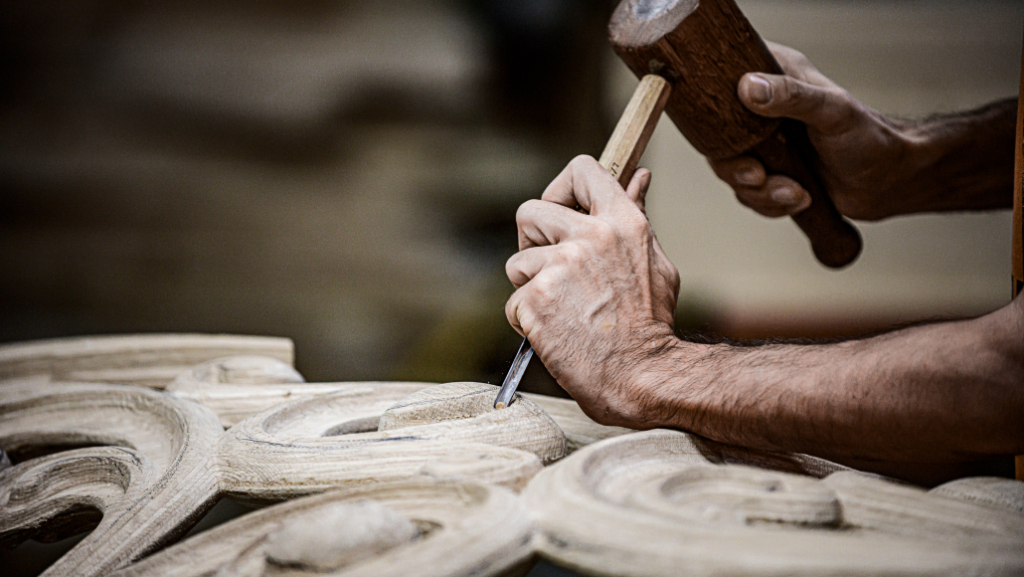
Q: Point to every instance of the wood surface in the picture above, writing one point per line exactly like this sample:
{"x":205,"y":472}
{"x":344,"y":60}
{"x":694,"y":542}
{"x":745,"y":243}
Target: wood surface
{"x":458,"y":529}
{"x":703,"y":49}
{"x":408,"y":475}
{"x":143,"y":475}
{"x":446,"y":431}
{"x":150,"y":360}
{"x":635,"y":127}
{"x":238,"y":387}
{"x":661,"y":503}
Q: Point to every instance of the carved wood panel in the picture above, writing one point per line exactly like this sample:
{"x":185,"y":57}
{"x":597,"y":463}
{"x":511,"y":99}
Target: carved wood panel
{"x":417,"y":478}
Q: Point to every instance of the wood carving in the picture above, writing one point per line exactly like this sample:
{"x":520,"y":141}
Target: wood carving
{"x":422,"y":527}
{"x":238,"y":387}
{"x":660,"y":503}
{"x":143,"y":360}
{"x":410,"y":473}
{"x":446,"y":431}
{"x":143,"y":473}
{"x":580,"y":430}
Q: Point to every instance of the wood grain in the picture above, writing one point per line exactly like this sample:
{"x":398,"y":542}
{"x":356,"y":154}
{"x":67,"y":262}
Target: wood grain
{"x":460,"y":529}
{"x":580,"y":430}
{"x":400,"y":463}
{"x":656,"y":503}
{"x":446,"y":431}
{"x":238,"y":387}
{"x":142,"y":475}
{"x":635,"y":127}
{"x":150,"y":360}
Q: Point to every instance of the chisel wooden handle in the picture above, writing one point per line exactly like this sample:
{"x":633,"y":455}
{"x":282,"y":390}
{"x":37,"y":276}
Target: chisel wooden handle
{"x":703,"y":49}
{"x":633,"y":132}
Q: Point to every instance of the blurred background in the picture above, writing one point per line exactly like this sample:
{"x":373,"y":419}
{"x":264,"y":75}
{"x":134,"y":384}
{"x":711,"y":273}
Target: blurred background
{"x":346,"y":174}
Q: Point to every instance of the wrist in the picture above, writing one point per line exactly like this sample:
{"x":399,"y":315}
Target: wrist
{"x":960,"y":161}
{"x":911,"y":153}
{"x":674,"y":381}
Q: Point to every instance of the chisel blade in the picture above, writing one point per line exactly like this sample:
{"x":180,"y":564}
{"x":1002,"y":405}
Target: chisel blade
{"x":515,"y":374}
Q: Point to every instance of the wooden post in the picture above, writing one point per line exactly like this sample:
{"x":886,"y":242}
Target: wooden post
{"x":1018,"y":218}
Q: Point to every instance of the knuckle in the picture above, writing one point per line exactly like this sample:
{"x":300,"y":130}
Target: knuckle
{"x":603,"y":233}
{"x":544,"y":290}
{"x":512,"y":267}
{"x":528,"y":213}
{"x":638,"y":221}
{"x":526,"y":210}
{"x":746,"y":196}
{"x":792,"y":90}
{"x":511,"y":306}
{"x":571,"y":252}
{"x":582,"y":161}
{"x":636,"y":227}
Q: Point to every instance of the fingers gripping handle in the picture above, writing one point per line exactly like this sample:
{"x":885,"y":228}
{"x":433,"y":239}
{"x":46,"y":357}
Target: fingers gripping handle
{"x":635,"y":127}
{"x":835,"y":242}
{"x":620,"y":157}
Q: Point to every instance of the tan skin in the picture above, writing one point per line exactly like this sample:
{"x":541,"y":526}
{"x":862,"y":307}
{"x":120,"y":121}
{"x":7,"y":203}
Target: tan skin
{"x":596,"y":296}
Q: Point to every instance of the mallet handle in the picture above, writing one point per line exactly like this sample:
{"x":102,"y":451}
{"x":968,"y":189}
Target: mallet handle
{"x":703,"y":48}
{"x":834,"y":241}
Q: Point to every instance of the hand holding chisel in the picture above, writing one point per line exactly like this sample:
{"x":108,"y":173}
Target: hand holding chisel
{"x":620,"y":157}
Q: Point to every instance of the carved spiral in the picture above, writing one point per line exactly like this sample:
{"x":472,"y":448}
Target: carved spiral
{"x":153,"y":480}
{"x":238,"y":387}
{"x":423,"y":527}
{"x":447,"y":431}
{"x":658,"y":503}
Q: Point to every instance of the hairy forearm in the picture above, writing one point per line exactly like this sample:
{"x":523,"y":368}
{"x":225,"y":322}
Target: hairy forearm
{"x":962,"y":161}
{"x":942,"y":393}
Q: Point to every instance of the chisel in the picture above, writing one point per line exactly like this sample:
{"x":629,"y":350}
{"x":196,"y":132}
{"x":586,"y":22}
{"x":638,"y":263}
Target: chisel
{"x":620,"y":158}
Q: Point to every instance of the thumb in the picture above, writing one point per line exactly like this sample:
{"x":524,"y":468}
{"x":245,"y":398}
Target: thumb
{"x":826,"y":109}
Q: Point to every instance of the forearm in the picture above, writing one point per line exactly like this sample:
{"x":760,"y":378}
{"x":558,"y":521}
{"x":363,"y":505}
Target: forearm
{"x":960,"y":162}
{"x":942,"y":393}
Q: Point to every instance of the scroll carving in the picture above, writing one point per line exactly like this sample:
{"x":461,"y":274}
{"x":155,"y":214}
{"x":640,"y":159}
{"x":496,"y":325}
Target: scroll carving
{"x":423,"y":527}
{"x":149,"y":483}
{"x":238,"y":387}
{"x":654,"y":503}
{"x":414,"y":478}
{"x":446,"y":431}
{"x":143,"y":360}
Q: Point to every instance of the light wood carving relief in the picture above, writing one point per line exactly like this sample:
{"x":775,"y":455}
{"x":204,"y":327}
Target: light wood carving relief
{"x":385,"y":478}
{"x":418,"y":527}
{"x":143,"y":360}
{"x":666,"y":503}
{"x":145,"y":464}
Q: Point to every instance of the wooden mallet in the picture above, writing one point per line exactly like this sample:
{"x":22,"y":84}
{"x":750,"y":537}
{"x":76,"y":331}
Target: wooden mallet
{"x":690,"y":56}
{"x":702,"y":49}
